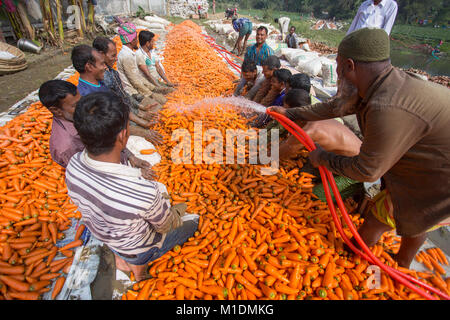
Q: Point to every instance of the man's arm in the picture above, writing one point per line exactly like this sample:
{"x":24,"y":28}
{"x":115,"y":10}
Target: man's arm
{"x":389,"y":19}
{"x":136,"y":80}
{"x":240,"y":87}
{"x":160,"y":215}
{"x":318,"y":111}
{"x":387,"y":137}
{"x":148,"y":76}
{"x":262,"y":91}
{"x":252,"y":92}
{"x":270,"y":97}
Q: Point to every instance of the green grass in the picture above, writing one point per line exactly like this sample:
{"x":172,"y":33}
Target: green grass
{"x":329,"y":37}
{"x":408,"y":34}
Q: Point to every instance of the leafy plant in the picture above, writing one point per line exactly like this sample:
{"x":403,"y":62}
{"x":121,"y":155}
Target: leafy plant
{"x":140,"y":13}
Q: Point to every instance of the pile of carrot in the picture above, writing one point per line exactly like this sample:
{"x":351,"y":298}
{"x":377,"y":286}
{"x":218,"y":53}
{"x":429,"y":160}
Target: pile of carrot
{"x":35,"y":209}
{"x":259,"y":237}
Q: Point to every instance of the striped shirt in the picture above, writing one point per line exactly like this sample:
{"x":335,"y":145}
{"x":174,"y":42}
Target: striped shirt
{"x":258,"y":56}
{"x":119,"y":207}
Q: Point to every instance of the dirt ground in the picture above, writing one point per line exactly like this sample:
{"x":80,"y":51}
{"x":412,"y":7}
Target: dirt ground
{"x":41,"y":67}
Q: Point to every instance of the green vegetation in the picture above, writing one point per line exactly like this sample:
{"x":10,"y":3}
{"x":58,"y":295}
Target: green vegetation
{"x":409,"y":35}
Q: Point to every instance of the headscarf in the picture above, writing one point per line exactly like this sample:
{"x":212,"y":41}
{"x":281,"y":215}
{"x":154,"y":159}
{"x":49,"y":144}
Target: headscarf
{"x":127,"y":32}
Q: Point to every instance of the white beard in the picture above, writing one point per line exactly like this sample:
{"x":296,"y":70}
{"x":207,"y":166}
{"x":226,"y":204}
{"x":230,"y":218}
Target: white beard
{"x":347,"y":98}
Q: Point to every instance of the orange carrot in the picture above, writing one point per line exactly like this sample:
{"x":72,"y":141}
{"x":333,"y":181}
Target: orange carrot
{"x":59,"y":284}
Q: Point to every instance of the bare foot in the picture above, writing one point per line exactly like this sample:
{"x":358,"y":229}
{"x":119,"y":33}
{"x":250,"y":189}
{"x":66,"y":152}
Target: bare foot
{"x":121,"y":264}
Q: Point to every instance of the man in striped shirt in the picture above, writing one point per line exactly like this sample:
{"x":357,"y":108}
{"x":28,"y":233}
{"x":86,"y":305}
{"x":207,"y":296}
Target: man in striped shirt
{"x":130,"y":214}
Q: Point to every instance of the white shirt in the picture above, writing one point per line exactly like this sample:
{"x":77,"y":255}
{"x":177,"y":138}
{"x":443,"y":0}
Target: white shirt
{"x":284,"y":24}
{"x":125,"y":67}
{"x":142,"y":58}
{"x":380,"y":16}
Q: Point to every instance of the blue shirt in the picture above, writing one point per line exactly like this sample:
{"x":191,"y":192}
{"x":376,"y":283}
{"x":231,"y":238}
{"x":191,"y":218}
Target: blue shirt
{"x":258,"y":57}
{"x":279,"y":99}
{"x":237,"y":25}
{"x":85,"y":87}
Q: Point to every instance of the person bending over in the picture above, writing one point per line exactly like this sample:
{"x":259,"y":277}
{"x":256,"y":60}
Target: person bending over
{"x":265,"y":94}
{"x":252,"y":78}
{"x":132,"y":79}
{"x":149,"y":63}
{"x":131,"y":215}
{"x":60,"y":98}
{"x":406,"y":142}
{"x":244,"y":27}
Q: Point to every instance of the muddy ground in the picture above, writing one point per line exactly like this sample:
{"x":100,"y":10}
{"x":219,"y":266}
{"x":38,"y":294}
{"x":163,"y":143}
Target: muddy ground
{"x":41,"y":67}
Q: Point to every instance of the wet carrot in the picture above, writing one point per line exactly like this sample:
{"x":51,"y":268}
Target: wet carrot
{"x":59,"y":284}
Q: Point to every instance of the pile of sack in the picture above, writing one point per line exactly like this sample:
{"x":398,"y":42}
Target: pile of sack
{"x":186,"y":8}
{"x":311,"y":63}
{"x":151,"y":22}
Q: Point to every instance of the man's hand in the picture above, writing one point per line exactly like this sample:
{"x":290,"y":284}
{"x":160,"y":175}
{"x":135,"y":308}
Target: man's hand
{"x":138,"y":163}
{"x":141,"y":122}
{"x":152,"y":117}
{"x":316,"y":156}
{"x":154,"y":137}
{"x":280,"y":110}
{"x":148,"y":173}
{"x":146,"y":169}
{"x":148,"y":106}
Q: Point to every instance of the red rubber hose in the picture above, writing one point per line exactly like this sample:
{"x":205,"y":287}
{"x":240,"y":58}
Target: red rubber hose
{"x":222,"y":47}
{"x":222,"y":51}
{"x":310,"y":146}
{"x":327,"y":177}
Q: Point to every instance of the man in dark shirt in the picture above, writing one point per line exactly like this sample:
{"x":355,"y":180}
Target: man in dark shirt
{"x":404,"y":121}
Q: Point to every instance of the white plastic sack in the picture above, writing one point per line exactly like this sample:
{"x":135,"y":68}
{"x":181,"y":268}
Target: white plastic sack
{"x":225,"y":29}
{"x":305,"y":47}
{"x":329,"y":74}
{"x":156,"y":19}
{"x":302,"y":57}
{"x":311,"y":67}
{"x":285,"y":52}
{"x":135,"y":144}
{"x":5,"y":55}
{"x":148,"y":25}
{"x":34,"y":9}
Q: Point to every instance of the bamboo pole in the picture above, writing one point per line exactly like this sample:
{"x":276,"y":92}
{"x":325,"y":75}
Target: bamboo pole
{"x":91,"y":13}
{"x":15,"y":25}
{"x":60,"y":22}
{"x":25,"y":22}
{"x":80,"y":29}
{"x":82,"y":16}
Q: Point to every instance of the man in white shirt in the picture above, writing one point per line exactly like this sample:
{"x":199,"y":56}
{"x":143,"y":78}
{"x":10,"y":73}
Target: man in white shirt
{"x":133,"y":82}
{"x":375,"y":14}
{"x":284,"y":26}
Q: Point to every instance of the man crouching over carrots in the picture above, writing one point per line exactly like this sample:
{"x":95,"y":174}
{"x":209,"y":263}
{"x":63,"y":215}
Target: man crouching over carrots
{"x":405,"y":122}
{"x":130,"y":214}
{"x":60,"y":98}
